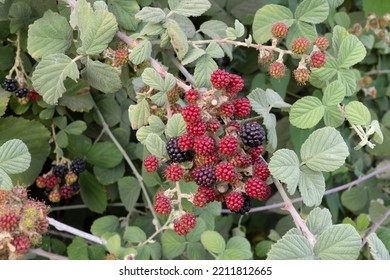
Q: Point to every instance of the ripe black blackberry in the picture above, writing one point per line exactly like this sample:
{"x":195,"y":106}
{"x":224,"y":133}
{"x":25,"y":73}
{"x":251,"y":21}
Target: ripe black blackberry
{"x":246,"y":207}
{"x":175,"y":153}
{"x":21,"y":93}
{"x":76,"y":187}
{"x":77,"y":166}
{"x":46,"y":192}
{"x":60,"y":170}
{"x":252,"y":134}
{"x":204,"y":175}
{"x":10,"y":85}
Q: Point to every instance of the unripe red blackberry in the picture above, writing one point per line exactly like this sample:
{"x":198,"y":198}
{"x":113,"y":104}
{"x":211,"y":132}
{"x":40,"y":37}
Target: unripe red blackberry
{"x":246,"y":207}
{"x":210,"y":159}
{"x":236,"y":84}
{"x":265,"y":192}
{"x":33,"y":95}
{"x":279,"y":30}
{"x":191,"y":96}
{"x":277,"y":70}
{"x":234,"y":201}
{"x":151,"y":163}
{"x":204,"y":175}
{"x":184,"y":225}
{"x":191,"y":113}
{"x":21,"y":244}
{"x":242,"y":107}
{"x":213,"y":125}
{"x":301,"y":75}
{"x":71,"y":178}
{"x":54,"y":196}
{"x":40,"y":182}
{"x":233,"y":124}
{"x":9,"y":221}
{"x":66,"y":191}
{"x":252,"y":134}
{"x":203,"y":145}
{"x":260,"y":169}
{"x":300,"y":45}
{"x":197,"y":128}
{"x":322,"y":43}
{"x":175,"y":153}
{"x":317,"y":60}
{"x":227,"y":109}
{"x":162,"y":204}
{"x":51,"y":181}
{"x":220,"y":79}
{"x":210,"y":193}
{"x":174,"y":172}
{"x":257,"y":188}
{"x":255,"y":153}
{"x":121,"y":57}
{"x":228,"y":145}
{"x":225,"y":171}
{"x":186,"y":142}
{"x":200,"y":199}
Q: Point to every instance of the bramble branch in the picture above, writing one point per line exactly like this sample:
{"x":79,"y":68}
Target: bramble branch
{"x":46,"y":254}
{"x":375,"y":226}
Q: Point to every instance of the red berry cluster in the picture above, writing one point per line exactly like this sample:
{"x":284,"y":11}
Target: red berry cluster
{"x":218,"y":153}
{"x":22,"y":223}
{"x":61,"y":181}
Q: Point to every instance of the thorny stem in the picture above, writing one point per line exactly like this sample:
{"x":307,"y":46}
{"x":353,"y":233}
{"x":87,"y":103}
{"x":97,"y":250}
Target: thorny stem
{"x":46,"y":254}
{"x":377,"y":72}
{"x":53,"y":132}
{"x":183,"y":70}
{"x":82,"y":206}
{"x":130,"y":163}
{"x":375,"y":226}
{"x":157,"y":232}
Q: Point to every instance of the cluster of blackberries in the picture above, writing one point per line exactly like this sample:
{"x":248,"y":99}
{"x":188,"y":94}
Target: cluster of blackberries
{"x":22,"y":93}
{"x":61,"y":181}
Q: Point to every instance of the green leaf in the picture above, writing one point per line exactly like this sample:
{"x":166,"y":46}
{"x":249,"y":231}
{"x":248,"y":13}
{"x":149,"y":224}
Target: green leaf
{"x":333,"y":117}
{"x":77,"y":97}
{"x":5,"y":180}
{"x":114,"y":244}
{"x":312,"y":11}
{"x":338,"y":242}
{"x":216,"y":29}
{"x":324,"y":150}
{"x":362,"y":222}
{"x":173,"y":245}
{"x":129,"y":191}
{"x":284,"y":165}
{"x":153,"y":79}
{"x":339,"y":34}
{"x":291,"y":247}
{"x":155,"y":126}
{"x":351,"y":51}
{"x":189,"y":8}
{"x":141,"y":52}
{"x":78,"y":249}
{"x":334,"y":93}
{"x":76,"y":127}
{"x":62,"y":139}
{"x":92,"y":193}
{"x":325,"y":73}
{"x":134,"y":235}
{"x":104,"y":154}
{"x":50,"y":74}
{"x":150,"y":14}
{"x":214,"y":50}
{"x":205,"y":66}
{"x":178,"y":38}
{"x":237,"y":248}
{"x":377,"y":210}
{"x":155,"y":145}
{"x":213,"y":241}
{"x":102,"y":76}
{"x":7,"y":58}
{"x":107,"y":176}
{"x":192,"y":55}
{"x":357,"y":113}
{"x":263,"y":247}
{"x":335,"y":3}
{"x":105,"y":224}
{"x":139,"y":114}
{"x":301,"y":29}
{"x":19,"y":15}
{"x":319,"y":220}
{"x":311,"y":186}
{"x":124,"y":11}
{"x":195,"y":251}
{"x":237,"y":31}
{"x":14,"y":156}
{"x":355,"y":198}
{"x":267,"y":16}
{"x":343,"y":19}
{"x":306,"y":112}
{"x":347,"y":77}
{"x":4,"y":98}
{"x":377,"y":248}
{"x":196,"y":233}
{"x":176,"y":126}
{"x":48,"y":35}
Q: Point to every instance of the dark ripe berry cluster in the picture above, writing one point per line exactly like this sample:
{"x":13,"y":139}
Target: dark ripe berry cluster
{"x":61,"y":181}
{"x":22,"y":223}
{"x":23,"y":94}
{"x":220,"y":152}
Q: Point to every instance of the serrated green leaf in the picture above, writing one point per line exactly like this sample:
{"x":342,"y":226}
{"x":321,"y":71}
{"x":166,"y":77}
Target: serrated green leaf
{"x":327,"y":72}
{"x":334,"y":93}
{"x":62,"y":139}
{"x":14,"y":156}
{"x":152,"y":29}
{"x":5,"y":180}
{"x":76,"y":127}
{"x":312,"y":11}
{"x":275,"y":100}
{"x":263,"y":247}
{"x":306,"y":112}
{"x":105,"y":224}
{"x":176,"y":126}
{"x":347,"y":77}
{"x":139,"y":114}
{"x":319,"y":220}
{"x":134,"y":235}
{"x":216,"y":29}
{"x":92,"y":193}
{"x":339,"y":34}
{"x":107,"y":176}
{"x":19,"y":14}
{"x":155,"y":145}
{"x":4,"y":98}
{"x":124,"y":11}
{"x":153,"y":79}
{"x":267,"y":16}
{"x":213,"y":241}
{"x":110,"y":109}
{"x":173,"y":244}
{"x":141,"y":52}
{"x":338,"y":242}
{"x":357,"y":113}
{"x":155,"y":126}
{"x":378,"y":136}
{"x":324,"y":150}
{"x":77,"y":97}
{"x":301,"y":29}
{"x":377,"y":248}
{"x":192,"y":55}
{"x":351,"y":51}
{"x":214,"y":50}
{"x":114,"y":244}
{"x":239,"y":28}
{"x":342,"y":19}
{"x":377,"y":210}
{"x":335,"y":3}
{"x":178,"y":38}
{"x":205,"y":66}
{"x":238,"y":248}
{"x":102,"y":76}
{"x":333,"y":116}
{"x":196,"y":233}
{"x":129,"y":191}
{"x":150,"y":14}
{"x":104,"y":154}
{"x":78,"y":249}
{"x":355,"y":198}
{"x":48,"y":35}
{"x":362,"y":222}
{"x":189,"y":8}
{"x":311,"y":186}
{"x":195,"y":251}
{"x":291,"y":247}
{"x":284,"y":165}
{"x":169,"y":82}
{"x":50,"y":74}
{"x":269,"y":122}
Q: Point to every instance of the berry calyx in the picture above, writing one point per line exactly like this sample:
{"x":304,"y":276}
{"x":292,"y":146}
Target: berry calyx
{"x":279,"y":30}
{"x":174,"y":172}
{"x":191,"y":96}
{"x":220,"y":79}
{"x":300,"y":45}
{"x":234,"y":201}
{"x":77,"y":166}
{"x":252,"y":134}
{"x":302,"y":75}
{"x":204,"y":175}
{"x":228,"y":145}
{"x":225,"y":171}
{"x":322,"y":43}
{"x":151,"y":163}
{"x":317,"y":60}
{"x":191,"y":113}
{"x":277,"y":70}
{"x":203,"y":145}
{"x":242,"y":107}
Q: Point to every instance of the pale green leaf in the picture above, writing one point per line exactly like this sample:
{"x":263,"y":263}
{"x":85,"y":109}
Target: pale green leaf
{"x":192,"y":55}
{"x":139,"y":114}
{"x":378,"y":136}
{"x":155,"y":126}
{"x":19,"y":15}
{"x":185,"y":24}
{"x":327,"y":72}
{"x":155,"y":145}
{"x":152,"y":29}
{"x":14,"y":156}
{"x":312,"y":11}
{"x":306,"y":112}
{"x":239,"y":28}
{"x":275,"y":100}
{"x":238,"y":248}
{"x":150,"y":14}
{"x":196,"y":232}
{"x":214,"y":50}
{"x":343,"y":19}
{"x":173,"y":244}
{"x":178,"y":38}
{"x":355,"y":198}
{"x":76,"y":127}
{"x":78,"y":249}
{"x":284,"y":166}
{"x":104,"y":154}
{"x":153,"y":79}
{"x":351,"y":51}
{"x":301,"y":29}
{"x":100,"y":5}
{"x":189,"y":8}
{"x":324,"y":150}
{"x":5,"y":180}
{"x":377,"y":248}
{"x":102,"y":76}
{"x":216,"y":29}
{"x":347,"y":77}
{"x":134,"y":235}
{"x":50,"y":74}
{"x":92,"y":193}
{"x":267,"y":16}
{"x":129,"y":191}
{"x":4,"y":98}
{"x":318,"y":220}
{"x":311,"y":185}
{"x":339,"y":34}
{"x":334,"y":93}
{"x":125,"y":11}
{"x":205,"y":66}
{"x":291,"y":247}
{"x":338,"y":242}
{"x":213,"y":241}
{"x":114,"y":244}
{"x":105,"y":224}
{"x":48,"y":35}
{"x":141,"y":52}
{"x":333,"y":116}
{"x":169,"y":82}
{"x":357,"y":113}
{"x":176,"y":126}
{"x":269,"y":122}
{"x":335,"y":3}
